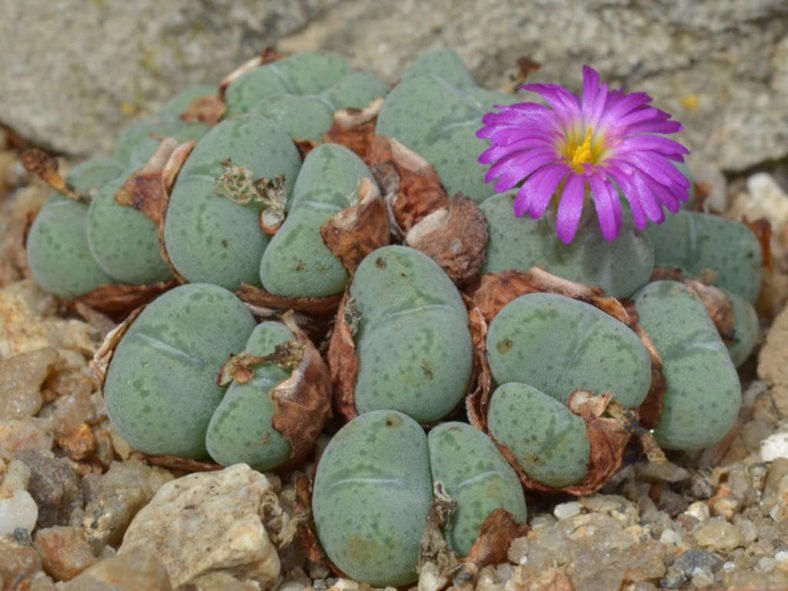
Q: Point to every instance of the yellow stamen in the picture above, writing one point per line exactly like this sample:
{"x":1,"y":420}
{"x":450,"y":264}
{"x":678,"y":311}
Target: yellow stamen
{"x":582,"y":154}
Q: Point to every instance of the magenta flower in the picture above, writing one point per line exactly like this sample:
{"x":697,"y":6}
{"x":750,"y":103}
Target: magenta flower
{"x":598,"y":142}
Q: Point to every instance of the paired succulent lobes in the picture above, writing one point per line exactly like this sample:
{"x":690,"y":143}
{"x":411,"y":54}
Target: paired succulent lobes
{"x":374,"y":486}
{"x":161,"y":386}
{"x":435,"y":111}
{"x":212,"y":230}
{"x":703,"y":392}
{"x":58,"y":251}
{"x":297,"y":262}
{"x":413,"y":342}
{"x":302,"y":92}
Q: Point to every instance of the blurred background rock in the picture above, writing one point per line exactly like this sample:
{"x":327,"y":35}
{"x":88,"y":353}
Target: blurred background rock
{"x":76,"y":71}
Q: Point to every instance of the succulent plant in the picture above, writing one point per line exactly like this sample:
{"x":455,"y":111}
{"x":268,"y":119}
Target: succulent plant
{"x":745,"y":331}
{"x":302,"y":92}
{"x":212,"y":231}
{"x":559,"y":345}
{"x":138,"y":141}
{"x":373,"y":490}
{"x":619,"y":267}
{"x":122,"y":240}
{"x":58,"y":251}
{"x":297,"y":262}
{"x":241,"y":428}
{"x":703,"y":393}
{"x":413,"y":342}
{"x":435,"y":111}
{"x":476,"y":475}
{"x":698,"y":243}
{"x":548,"y":441}
{"x":160,"y":386}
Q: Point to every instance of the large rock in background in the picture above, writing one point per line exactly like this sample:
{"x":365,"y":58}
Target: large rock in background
{"x":75,"y":70}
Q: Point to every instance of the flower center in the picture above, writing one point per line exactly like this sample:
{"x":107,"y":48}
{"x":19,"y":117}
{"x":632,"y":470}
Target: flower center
{"x":586,"y":152}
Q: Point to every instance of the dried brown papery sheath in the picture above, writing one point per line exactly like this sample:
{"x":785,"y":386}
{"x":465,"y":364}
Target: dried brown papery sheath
{"x":45,"y":166}
{"x":358,"y":230}
{"x":494,"y":290}
{"x":342,"y":358}
{"x":103,"y":356}
{"x":268,"y":55}
{"x":411,"y":185}
{"x":117,"y":299}
{"x":303,"y":401}
{"x":207,"y":109}
{"x":355,"y":129}
{"x":306,"y":528}
{"x":177,"y":463}
{"x":260,"y":298}
{"x":497,"y":533}
{"x":454,"y":236}
{"x":148,"y":190}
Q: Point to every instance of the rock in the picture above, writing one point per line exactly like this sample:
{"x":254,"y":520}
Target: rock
{"x":64,"y":551}
{"x":773,"y":362}
{"x":718,"y":534}
{"x":731,"y":108}
{"x":19,"y":435}
{"x":115,"y":497}
{"x":132,"y":571}
{"x":18,"y":564}
{"x":53,"y":485}
{"x":26,"y":317}
{"x":21,"y":377}
{"x":208,"y":522}
{"x":221,"y":582}
{"x":212,"y":40}
{"x":690,"y":564}
{"x":17,"y":507}
{"x":775,"y":446}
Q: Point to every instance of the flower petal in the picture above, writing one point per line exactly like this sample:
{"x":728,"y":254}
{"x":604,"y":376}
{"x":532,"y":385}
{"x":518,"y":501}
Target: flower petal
{"x":536,"y":192}
{"x":608,"y":207}
{"x":570,"y":208}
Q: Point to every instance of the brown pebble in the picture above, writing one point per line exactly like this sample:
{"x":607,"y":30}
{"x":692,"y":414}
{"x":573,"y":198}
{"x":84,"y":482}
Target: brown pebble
{"x":64,"y":551}
{"x":79,"y":443}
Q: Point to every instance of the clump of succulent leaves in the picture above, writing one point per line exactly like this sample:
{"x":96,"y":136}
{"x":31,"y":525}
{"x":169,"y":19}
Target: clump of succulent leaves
{"x":471,"y":353}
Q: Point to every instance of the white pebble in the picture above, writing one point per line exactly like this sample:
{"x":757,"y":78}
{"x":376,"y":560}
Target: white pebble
{"x":781,"y":556}
{"x":567,"y":510}
{"x":775,"y":446}
{"x":699,"y":510}
{"x":17,"y":507}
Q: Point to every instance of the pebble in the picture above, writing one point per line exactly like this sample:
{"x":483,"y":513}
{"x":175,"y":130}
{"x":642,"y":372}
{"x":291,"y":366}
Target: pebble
{"x":115,"y":497}
{"x":518,"y":551}
{"x":208,"y":522}
{"x":18,"y":563}
{"x":718,"y":534}
{"x":775,"y":446}
{"x":567,"y":510}
{"x":670,"y":537}
{"x":17,"y":435}
{"x":21,"y":377}
{"x":17,"y":507}
{"x":134,"y":570}
{"x":54,"y":487}
{"x":64,"y":551}
{"x":699,"y":510}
